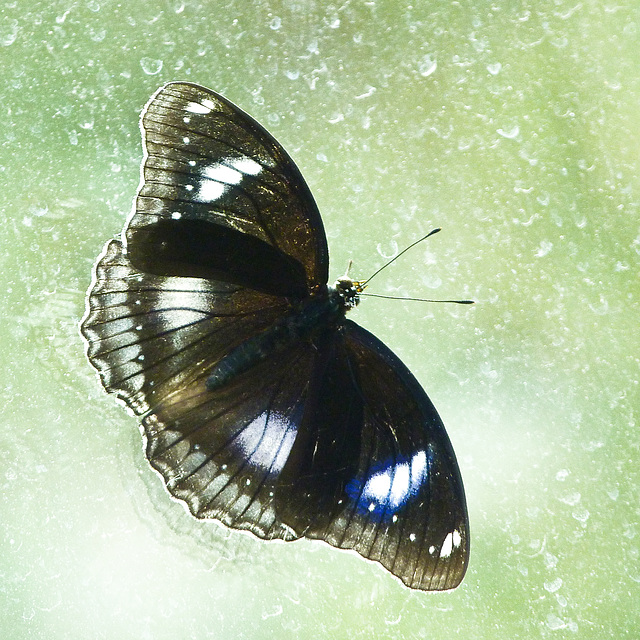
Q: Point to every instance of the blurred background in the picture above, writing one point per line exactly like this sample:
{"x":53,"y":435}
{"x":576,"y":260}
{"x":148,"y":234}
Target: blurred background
{"x":511,"y":125}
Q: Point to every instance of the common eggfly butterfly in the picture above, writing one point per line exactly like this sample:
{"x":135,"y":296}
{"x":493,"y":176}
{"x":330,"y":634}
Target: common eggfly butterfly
{"x":263,"y":406}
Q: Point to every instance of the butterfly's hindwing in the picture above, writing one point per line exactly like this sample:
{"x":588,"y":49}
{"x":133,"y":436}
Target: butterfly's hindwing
{"x":149,"y":336}
{"x":385,"y":475}
{"x":222,"y":451}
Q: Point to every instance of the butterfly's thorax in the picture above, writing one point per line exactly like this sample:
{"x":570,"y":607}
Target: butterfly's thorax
{"x":324,"y":309}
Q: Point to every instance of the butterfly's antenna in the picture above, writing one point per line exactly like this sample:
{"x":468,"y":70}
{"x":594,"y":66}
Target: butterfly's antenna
{"x":384,"y":266}
{"x":365,"y":283}
{"x":376,"y":295}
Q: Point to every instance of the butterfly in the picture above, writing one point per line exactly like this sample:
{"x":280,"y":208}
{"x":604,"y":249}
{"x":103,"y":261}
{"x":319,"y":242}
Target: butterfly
{"x":262,"y":405}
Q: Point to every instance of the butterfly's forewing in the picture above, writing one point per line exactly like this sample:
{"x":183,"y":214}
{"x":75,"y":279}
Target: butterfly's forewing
{"x":373,"y":453}
{"x":215,"y":184}
{"x":223,"y":236}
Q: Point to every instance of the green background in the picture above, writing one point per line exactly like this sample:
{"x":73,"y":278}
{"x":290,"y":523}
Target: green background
{"x":512,"y":125}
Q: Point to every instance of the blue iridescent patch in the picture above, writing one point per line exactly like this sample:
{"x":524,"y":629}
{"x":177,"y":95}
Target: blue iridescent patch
{"x":390,"y":486}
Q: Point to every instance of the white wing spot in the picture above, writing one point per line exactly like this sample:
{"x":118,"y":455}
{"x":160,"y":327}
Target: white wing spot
{"x":245,"y":165}
{"x":210,"y":190}
{"x":216,"y":178}
{"x":222,"y":173}
{"x":197,"y":107}
{"x":447,"y":545}
{"x":176,"y":215}
{"x":392,"y":487}
{"x":267,"y":441}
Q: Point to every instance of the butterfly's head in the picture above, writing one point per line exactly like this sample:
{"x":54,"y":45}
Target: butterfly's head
{"x":349,"y":291}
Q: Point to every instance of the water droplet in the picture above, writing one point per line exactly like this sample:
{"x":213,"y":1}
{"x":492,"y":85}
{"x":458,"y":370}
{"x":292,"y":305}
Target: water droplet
{"x":427,"y":66}
{"x":544,"y":248}
{"x":613,"y":493}
{"x":553,"y":586}
{"x":554,"y":623}
{"x":581,"y":515}
{"x":9,"y":33}
{"x":511,"y":132}
{"x":150,"y":66}
{"x":97,"y":35}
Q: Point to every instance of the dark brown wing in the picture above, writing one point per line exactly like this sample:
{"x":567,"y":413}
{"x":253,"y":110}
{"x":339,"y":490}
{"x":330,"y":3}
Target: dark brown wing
{"x":372,"y":468}
{"x":153,"y":339}
{"x":149,"y":336}
{"x":224,"y":238}
{"x":210,"y":170}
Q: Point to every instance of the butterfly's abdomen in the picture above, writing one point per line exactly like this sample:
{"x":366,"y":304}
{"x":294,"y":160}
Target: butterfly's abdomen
{"x":299,"y":324}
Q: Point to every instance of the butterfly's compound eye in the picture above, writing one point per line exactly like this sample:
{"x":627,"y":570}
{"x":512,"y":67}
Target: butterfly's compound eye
{"x":348,"y":290}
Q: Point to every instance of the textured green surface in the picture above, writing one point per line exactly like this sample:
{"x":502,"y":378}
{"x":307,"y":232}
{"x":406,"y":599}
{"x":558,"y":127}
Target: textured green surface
{"x":514,"y":126}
